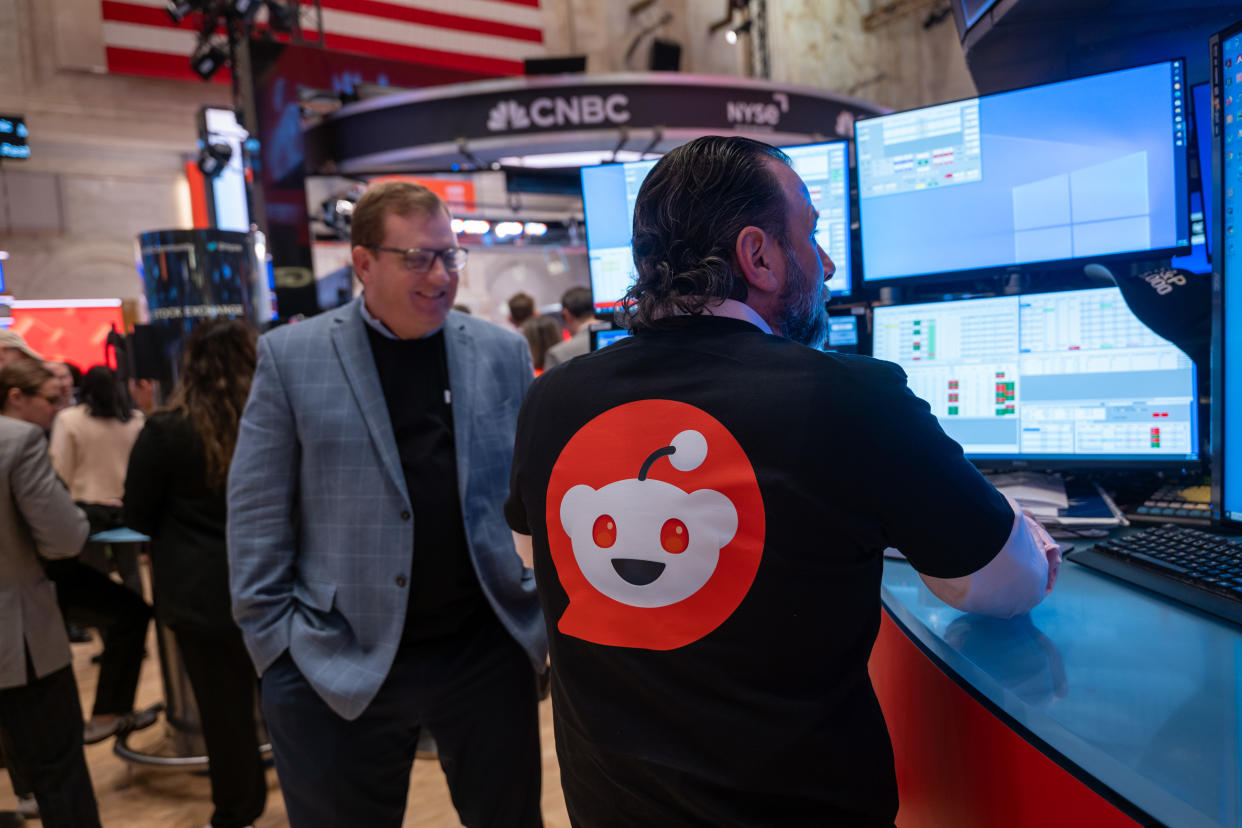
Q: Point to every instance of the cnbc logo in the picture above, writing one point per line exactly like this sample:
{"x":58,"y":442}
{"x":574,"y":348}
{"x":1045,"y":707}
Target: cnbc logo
{"x":548,"y":112}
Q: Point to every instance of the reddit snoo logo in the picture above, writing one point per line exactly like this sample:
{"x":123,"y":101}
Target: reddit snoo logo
{"x":655,"y":524}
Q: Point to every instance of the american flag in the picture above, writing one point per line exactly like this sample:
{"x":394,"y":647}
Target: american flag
{"x":489,"y":37}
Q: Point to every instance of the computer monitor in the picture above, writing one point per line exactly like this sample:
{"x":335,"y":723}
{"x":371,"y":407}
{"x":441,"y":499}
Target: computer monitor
{"x":608,"y":195}
{"x":1070,"y":378}
{"x":1226,"y":58}
{"x":1198,"y":260}
{"x":602,"y":338}
{"x":610,"y":190}
{"x":1091,"y":168}
{"x":843,"y":334}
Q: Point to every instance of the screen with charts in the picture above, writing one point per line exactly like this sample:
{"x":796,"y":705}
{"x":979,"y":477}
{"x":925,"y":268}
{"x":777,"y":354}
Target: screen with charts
{"x":1083,"y":168}
{"x":1070,"y":376}
{"x":1227,"y":440}
{"x":609,"y":192}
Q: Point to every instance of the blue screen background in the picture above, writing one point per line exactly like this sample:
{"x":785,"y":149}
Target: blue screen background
{"x":1230,"y":266}
{"x":607,"y":212}
{"x":1026,"y":136}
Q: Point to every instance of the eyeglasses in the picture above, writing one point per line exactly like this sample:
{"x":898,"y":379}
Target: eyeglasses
{"x":419,"y":260}
{"x":54,"y":399}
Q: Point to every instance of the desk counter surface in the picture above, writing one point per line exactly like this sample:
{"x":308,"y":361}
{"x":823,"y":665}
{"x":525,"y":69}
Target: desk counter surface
{"x":1142,"y":694}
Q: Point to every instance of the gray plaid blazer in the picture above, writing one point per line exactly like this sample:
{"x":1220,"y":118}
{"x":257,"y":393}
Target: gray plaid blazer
{"x":37,"y":519}
{"x":319,"y":527}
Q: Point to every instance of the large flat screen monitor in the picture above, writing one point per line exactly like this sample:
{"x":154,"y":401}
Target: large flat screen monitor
{"x":1046,"y":379}
{"x":610,"y":190}
{"x":1083,"y":169}
{"x":1226,"y":56}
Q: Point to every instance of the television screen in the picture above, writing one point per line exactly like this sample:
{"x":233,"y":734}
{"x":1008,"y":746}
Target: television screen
{"x":1082,"y":169}
{"x":610,"y":190}
{"x":1063,"y":378}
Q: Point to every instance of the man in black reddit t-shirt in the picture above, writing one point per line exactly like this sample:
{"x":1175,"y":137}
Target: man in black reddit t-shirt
{"x":709,"y":500}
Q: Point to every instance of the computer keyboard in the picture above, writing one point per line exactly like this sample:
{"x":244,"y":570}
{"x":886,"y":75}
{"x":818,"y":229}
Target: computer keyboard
{"x":1189,"y":505}
{"x":1198,"y":568}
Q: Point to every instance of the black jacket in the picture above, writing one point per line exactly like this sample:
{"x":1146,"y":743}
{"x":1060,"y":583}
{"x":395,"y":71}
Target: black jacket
{"x":166,"y":497}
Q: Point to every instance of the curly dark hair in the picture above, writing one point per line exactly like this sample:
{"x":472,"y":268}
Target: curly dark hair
{"x":215,"y":382}
{"x":689,"y":212}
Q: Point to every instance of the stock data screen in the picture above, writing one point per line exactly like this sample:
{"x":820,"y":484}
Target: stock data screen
{"x":1055,"y":376}
{"x":1088,"y":167}
{"x":609,"y":192}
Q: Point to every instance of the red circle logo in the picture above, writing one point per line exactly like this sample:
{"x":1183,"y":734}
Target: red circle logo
{"x":655,"y":525}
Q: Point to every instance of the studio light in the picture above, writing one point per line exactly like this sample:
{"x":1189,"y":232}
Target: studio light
{"x":731,"y":36}
{"x":282,"y":17}
{"x":247,"y":9}
{"x":207,"y":59}
{"x":214,"y":157}
{"x":178,"y":9}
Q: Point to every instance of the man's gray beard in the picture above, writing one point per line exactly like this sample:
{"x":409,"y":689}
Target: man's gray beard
{"x":803,"y":317}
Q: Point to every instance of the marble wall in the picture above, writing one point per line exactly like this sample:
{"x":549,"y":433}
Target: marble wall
{"x":108,"y":151}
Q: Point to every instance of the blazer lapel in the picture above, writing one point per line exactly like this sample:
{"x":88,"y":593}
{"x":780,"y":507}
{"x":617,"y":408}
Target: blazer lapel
{"x":349,"y":337}
{"x":459,"y":346}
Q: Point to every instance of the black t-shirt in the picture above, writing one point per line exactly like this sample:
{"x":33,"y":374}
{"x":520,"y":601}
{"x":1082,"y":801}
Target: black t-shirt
{"x":445,"y":596}
{"x":709,"y":504}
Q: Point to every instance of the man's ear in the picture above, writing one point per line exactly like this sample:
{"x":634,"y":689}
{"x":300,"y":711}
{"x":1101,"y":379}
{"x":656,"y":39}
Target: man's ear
{"x":756,"y":253}
{"x":362,"y":261}
{"x":14,"y":394}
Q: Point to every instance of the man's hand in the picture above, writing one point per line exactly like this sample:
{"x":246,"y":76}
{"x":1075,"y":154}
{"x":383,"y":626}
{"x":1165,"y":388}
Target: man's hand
{"x":1052,"y":549}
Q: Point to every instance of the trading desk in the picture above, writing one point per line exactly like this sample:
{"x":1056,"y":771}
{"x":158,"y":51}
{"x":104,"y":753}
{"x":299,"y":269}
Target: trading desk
{"x":1105,"y":706}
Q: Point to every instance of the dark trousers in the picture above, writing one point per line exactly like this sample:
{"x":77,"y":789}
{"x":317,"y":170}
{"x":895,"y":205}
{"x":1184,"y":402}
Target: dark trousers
{"x":91,"y":599}
{"x":222,"y":677}
{"x":42,"y":724}
{"x":476,"y":695}
{"x":21,"y":783}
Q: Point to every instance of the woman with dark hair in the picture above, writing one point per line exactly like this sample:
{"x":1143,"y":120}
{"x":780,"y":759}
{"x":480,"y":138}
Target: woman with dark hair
{"x":90,"y":447}
{"x":541,"y":332}
{"x":175,"y":492}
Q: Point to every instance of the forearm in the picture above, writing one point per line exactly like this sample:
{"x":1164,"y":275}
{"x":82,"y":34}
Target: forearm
{"x":1013,"y":582}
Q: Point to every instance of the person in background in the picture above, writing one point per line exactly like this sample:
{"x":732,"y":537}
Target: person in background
{"x":13,"y":347}
{"x":710,"y":499}
{"x":31,"y":393}
{"x":542,"y":334}
{"x":372,"y":574}
{"x":90,"y":448}
{"x":61,"y":371}
{"x":142,"y":392}
{"x":521,"y":308}
{"x":579,"y":311}
{"x":174,"y":492}
{"x":40,"y":715}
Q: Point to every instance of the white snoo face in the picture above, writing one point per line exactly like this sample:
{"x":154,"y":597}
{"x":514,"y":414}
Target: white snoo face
{"x":647,"y":543}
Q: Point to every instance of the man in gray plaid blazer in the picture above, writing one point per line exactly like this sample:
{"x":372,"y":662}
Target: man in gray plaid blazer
{"x":372,"y":572}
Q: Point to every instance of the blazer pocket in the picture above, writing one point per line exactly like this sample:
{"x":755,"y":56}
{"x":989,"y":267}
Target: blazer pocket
{"x":314,"y":594}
